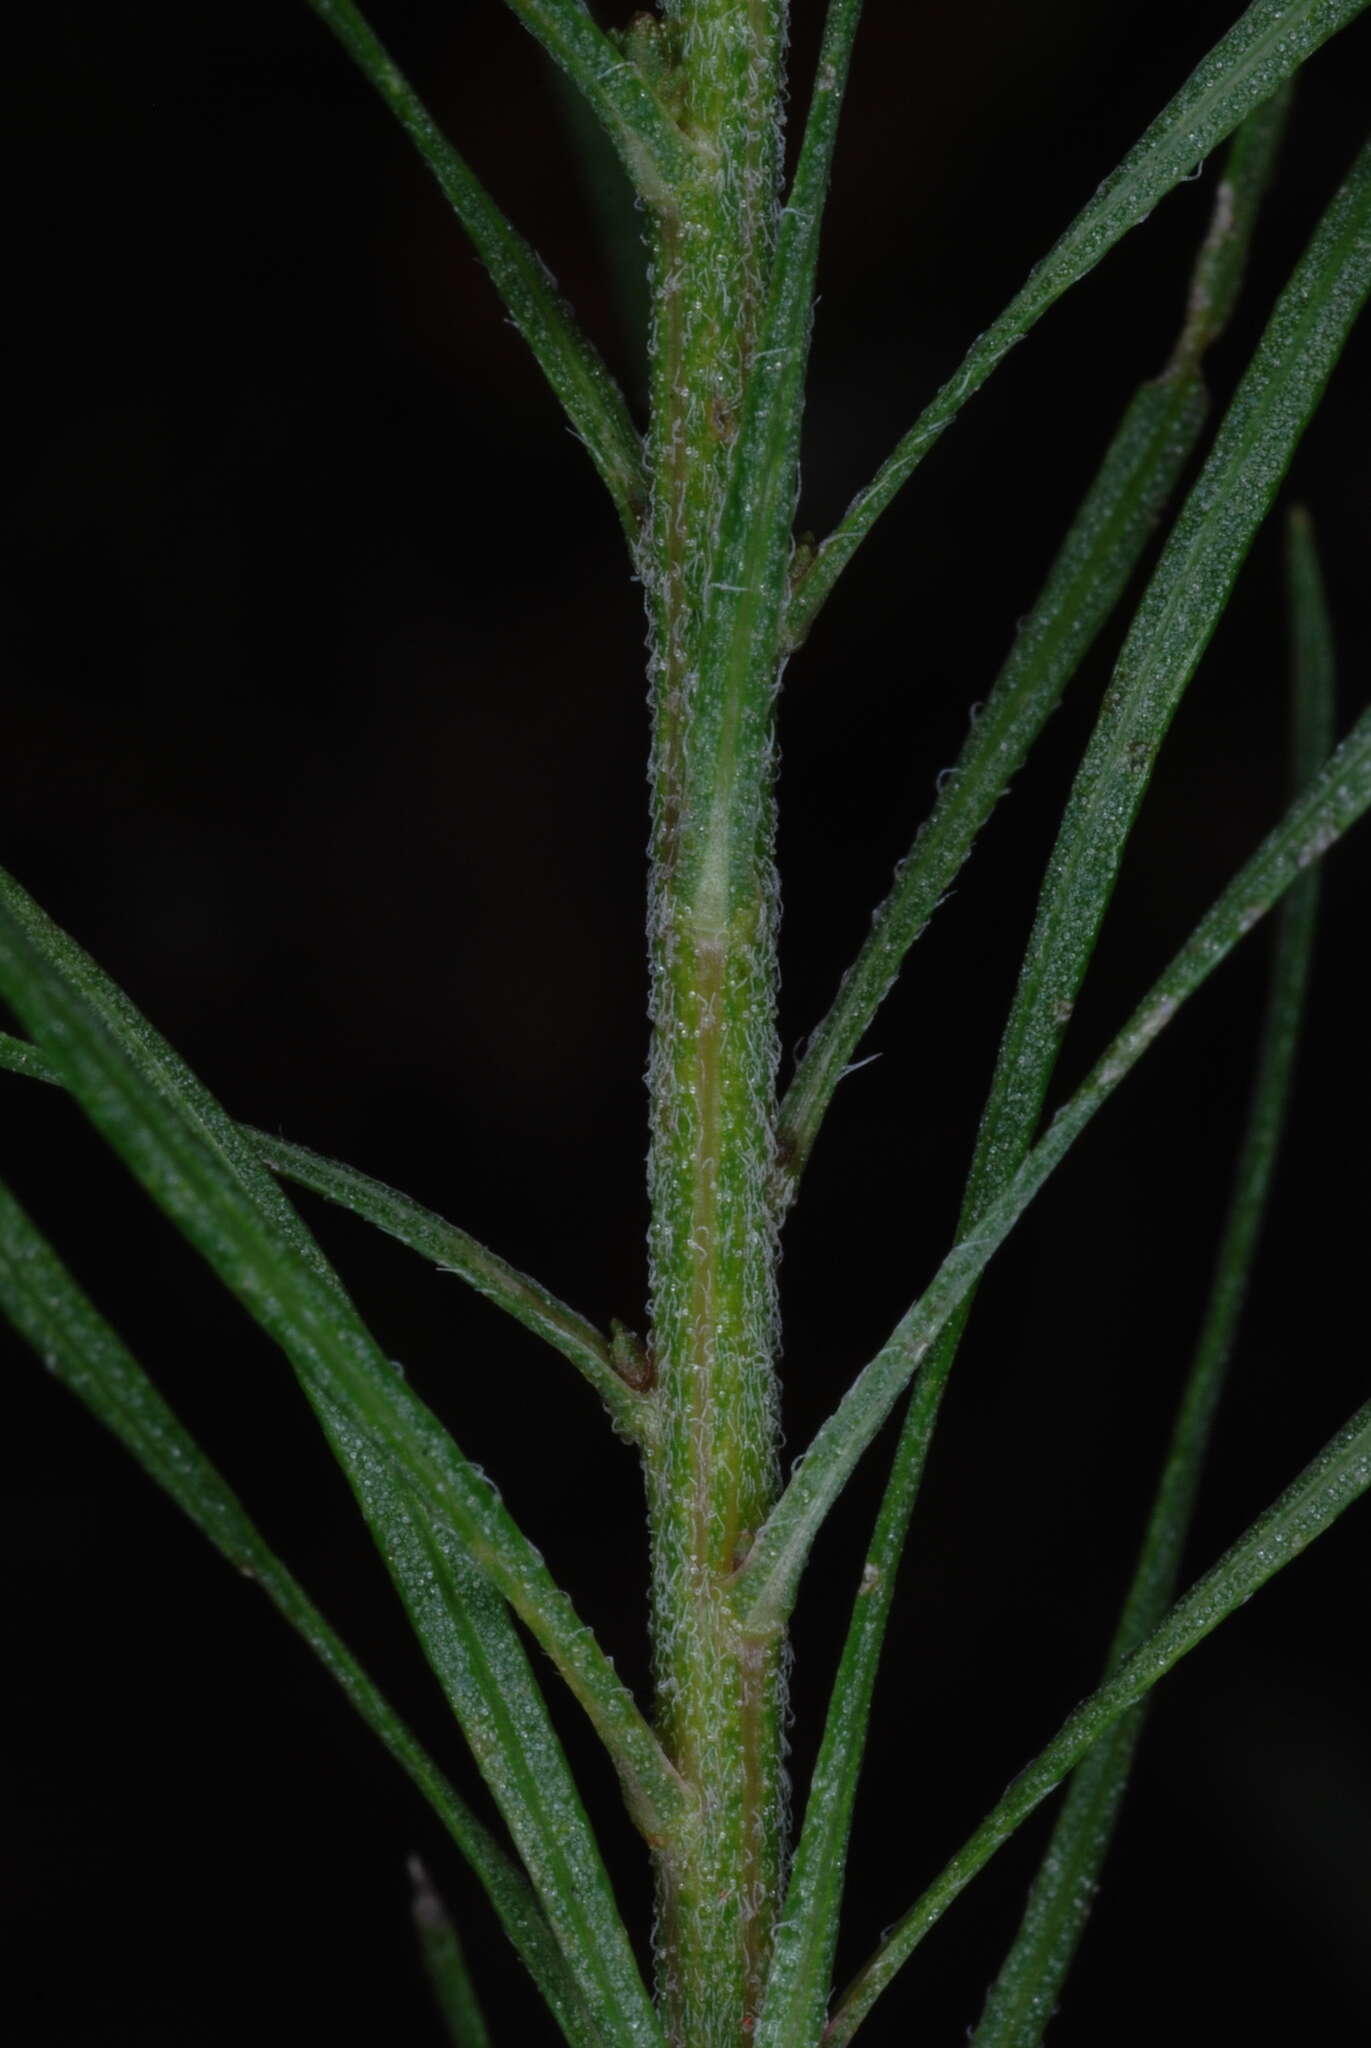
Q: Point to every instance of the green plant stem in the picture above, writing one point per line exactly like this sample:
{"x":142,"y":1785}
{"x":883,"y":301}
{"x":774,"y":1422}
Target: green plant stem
{"x":1269,"y":43}
{"x":1024,"y":1995}
{"x":713,"y":1474}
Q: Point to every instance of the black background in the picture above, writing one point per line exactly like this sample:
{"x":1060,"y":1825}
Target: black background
{"x":324,"y":731}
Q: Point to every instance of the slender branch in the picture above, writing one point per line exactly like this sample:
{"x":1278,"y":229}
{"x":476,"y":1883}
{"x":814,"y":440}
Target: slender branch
{"x":1025,"y":1993}
{"x":572,"y":365}
{"x":733,"y":305}
{"x":1270,"y":42}
{"x":1328,"y":1485}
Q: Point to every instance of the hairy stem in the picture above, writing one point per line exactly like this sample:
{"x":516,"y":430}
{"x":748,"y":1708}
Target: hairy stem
{"x":713,"y":1475}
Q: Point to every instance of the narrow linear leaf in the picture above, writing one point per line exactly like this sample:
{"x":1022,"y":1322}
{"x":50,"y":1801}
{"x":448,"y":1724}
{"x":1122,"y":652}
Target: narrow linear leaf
{"x":1190,"y":586}
{"x":47,"y":1307}
{"x":1102,"y":549}
{"x":732,"y":700}
{"x":456,"y":1252}
{"x":1153,"y":441}
{"x":464,"y":1629}
{"x":1333,"y":1480}
{"x":618,"y":222}
{"x":1180,"y":610}
{"x":379,"y":1429}
{"x":1089,"y":576}
{"x":1266,"y":46}
{"x":764,"y":1588}
{"x":158,"y":1066}
{"x":445,"y":1964}
{"x":17,"y":1056}
{"x":432,"y":1236}
{"x":572,"y":365}
{"x":1313,"y":655}
{"x":1025,"y":1993}
{"x":655,"y":153}
{"x":330,"y":1347}
{"x":1183,"y":603}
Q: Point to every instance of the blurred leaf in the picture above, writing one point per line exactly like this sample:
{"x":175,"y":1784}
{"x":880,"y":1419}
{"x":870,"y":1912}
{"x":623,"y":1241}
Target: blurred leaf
{"x":445,"y":1964}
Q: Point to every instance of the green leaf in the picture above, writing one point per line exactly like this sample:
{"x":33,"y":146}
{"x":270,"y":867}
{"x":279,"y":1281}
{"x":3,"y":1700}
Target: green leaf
{"x":19,"y":1057}
{"x":1026,"y":1991}
{"x":465,"y":1630}
{"x":1337,"y":1477}
{"x":764,"y":1588}
{"x":445,"y":1964}
{"x":1269,"y":43}
{"x":618,"y":222}
{"x":1178,"y":614}
{"x":456,"y":1252}
{"x":655,"y":153}
{"x":1154,"y":439}
{"x":446,"y":1536}
{"x":619,"y":1384}
{"x":726,"y":808}
{"x":1092,"y":570}
{"x":1102,"y":549}
{"x":572,"y":365}
{"x":48,"y":1308}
